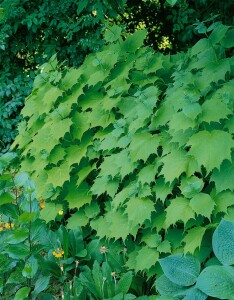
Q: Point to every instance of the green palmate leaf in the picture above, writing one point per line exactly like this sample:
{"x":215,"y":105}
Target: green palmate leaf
{"x":176,"y":163}
{"x":168,"y":288}
{"x":58,"y":175}
{"x":119,"y":225}
{"x":202,"y":204}
{"x":227,"y":41}
{"x":112,"y":33}
{"x":50,"y":211}
{"x":78,"y":219}
{"x":223,"y":242}
{"x":105,"y":185}
{"x":214,"y":110}
{"x":162,"y":189}
{"x":178,"y":210}
{"x":133,"y":42}
{"x":144,"y":209}
{"x":146,"y":258}
{"x":78,"y":196}
{"x":224,"y":178}
{"x":193,"y":239}
{"x":147,"y":174}
{"x":164,"y":247}
{"x":137,"y":147}
{"x":223,"y":200}
{"x":207,"y":146}
{"x":171,"y":2}
{"x":216,"y":281}
{"x":181,"y":270}
{"x":152,"y":239}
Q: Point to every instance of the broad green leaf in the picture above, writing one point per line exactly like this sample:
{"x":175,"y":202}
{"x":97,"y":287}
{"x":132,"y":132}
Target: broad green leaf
{"x":162,"y":189}
{"x":134,"y":41}
{"x":103,"y":185}
{"x":228,"y":39}
{"x":152,"y":239}
{"x":41,"y":284}
{"x":192,"y":110}
{"x":50,"y":211}
{"x":144,"y":209}
{"x":17,"y":251}
{"x":202,"y":204}
{"x":17,"y":236}
{"x":178,"y":210}
{"x":58,"y":175}
{"x":194,"y":293}
{"x":77,"y":219}
{"x":168,"y":288}
{"x":218,"y":33}
{"x":6,"y":197}
{"x":223,"y":200}
{"x":30,"y":267}
{"x":190,"y":186}
{"x":138,"y":149}
{"x":193,"y":239}
{"x":22,"y":293}
{"x":223,"y":242}
{"x":112,"y":33}
{"x":210,"y":149}
{"x":148,"y":173}
{"x":181,"y":270}
{"x":216,"y":281}
{"x":78,"y":196}
{"x":176,"y":163}
{"x":224,"y":178}
{"x":164,"y":247}
{"x":124,"y":283}
{"x":146,"y":258}
{"x":214,"y":110}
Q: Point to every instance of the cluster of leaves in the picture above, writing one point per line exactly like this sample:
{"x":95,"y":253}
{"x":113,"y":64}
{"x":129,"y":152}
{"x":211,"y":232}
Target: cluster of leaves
{"x":30,"y":33}
{"x":136,"y":146}
{"x":45,"y":261}
{"x":182,"y":278}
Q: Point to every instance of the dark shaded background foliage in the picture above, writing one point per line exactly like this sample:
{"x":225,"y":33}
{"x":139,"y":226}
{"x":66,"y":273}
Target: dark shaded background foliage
{"x":32,"y":31}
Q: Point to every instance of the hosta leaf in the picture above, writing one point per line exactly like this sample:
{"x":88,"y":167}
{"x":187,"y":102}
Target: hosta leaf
{"x":178,"y":210}
{"x":216,"y":281}
{"x":144,"y":209}
{"x":168,"y":288}
{"x":193,"y":239}
{"x":146,"y":258}
{"x":22,"y":293}
{"x":138,"y":149}
{"x":194,"y":293}
{"x":181,"y":270}
{"x":6,"y":197}
{"x":202,"y":204}
{"x":210,"y":149}
{"x":223,"y":242}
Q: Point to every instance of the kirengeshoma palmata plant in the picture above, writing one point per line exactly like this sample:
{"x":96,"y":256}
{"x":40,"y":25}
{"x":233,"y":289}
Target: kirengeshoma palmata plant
{"x":137,"y":146}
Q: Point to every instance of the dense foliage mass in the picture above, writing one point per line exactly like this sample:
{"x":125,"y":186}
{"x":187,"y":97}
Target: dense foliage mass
{"x":30,"y":33}
{"x":136,"y":148}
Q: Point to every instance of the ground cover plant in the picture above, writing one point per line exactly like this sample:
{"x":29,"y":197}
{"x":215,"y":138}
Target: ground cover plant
{"x":136,"y":148}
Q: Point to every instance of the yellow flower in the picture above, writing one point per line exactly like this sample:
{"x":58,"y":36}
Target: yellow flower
{"x":60,"y":212}
{"x":42,"y":204}
{"x":58,"y":253}
{"x":1,"y":228}
{"x":9,"y":225}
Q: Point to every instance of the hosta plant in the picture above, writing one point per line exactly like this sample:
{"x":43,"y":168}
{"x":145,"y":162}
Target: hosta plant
{"x":183,"y":278}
